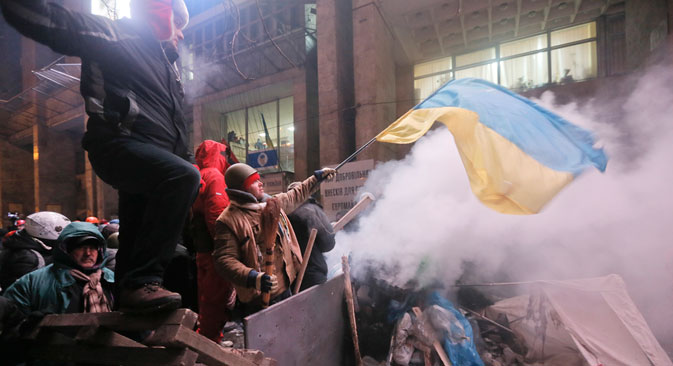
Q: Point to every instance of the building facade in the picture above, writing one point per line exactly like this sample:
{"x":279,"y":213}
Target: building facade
{"x":294,"y":85}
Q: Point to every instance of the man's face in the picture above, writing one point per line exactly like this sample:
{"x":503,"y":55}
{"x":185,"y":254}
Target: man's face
{"x":257,"y":189}
{"x":175,"y":39}
{"x":85,"y":255}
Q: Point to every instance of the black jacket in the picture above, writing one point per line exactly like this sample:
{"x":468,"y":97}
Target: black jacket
{"x":130,"y":85}
{"x":21,"y":254}
{"x":306,"y":217}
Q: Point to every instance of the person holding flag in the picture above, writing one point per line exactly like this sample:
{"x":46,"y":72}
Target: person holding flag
{"x":136,"y":135}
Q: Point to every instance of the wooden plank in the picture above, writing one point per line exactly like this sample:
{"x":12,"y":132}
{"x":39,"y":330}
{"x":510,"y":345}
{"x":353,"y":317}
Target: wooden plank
{"x":306,"y":329}
{"x":269,"y":362}
{"x":114,"y":355}
{"x":121,"y":321}
{"x":107,"y":338}
{"x":208,"y":351}
{"x":306,"y":256}
{"x":364,"y":202}
{"x":435,"y":342}
{"x":348,"y":291}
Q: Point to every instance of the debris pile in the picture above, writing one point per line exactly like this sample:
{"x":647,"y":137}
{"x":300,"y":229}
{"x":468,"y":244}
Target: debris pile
{"x":589,"y":321}
{"x":407,"y":327}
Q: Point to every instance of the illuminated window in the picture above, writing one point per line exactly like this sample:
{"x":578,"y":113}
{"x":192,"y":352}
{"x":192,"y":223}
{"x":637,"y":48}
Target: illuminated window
{"x":113,"y":9}
{"x":248,"y":133}
{"x":558,"y":56}
{"x":475,"y":57}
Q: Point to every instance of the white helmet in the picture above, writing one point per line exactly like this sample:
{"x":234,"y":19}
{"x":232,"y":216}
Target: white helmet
{"x":46,"y":225}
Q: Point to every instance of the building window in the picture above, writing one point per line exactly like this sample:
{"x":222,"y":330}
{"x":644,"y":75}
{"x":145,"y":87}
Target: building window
{"x":557,"y":56}
{"x":260,"y":128}
{"x":113,"y":9}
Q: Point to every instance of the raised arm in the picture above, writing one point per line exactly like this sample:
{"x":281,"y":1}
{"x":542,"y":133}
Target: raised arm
{"x":293,"y":198}
{"x":65,"y":31}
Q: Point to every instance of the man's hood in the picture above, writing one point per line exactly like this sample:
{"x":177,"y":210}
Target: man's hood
{"x":212,"y":154}
{"x":76,"y":230}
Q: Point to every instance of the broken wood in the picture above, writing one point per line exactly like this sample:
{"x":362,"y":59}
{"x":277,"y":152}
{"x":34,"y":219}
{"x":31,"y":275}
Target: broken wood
{"x":348,"y":291}
{"x":367,"y":198}
{"x":487,"y":319}
{"x":305,"y":258}
{"x":433,"y":335}
{"x":209,"y":352}
{"x":92,"y":338}
{"x":114,"y":355}
{"x":119,"y":321}
{"x":107,"y":338}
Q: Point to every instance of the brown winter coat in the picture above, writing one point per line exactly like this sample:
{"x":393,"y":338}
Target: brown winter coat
{"x":237,"y":239}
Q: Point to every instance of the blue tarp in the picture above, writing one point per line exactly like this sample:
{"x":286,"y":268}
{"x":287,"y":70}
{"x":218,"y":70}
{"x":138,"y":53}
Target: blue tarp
{"x":456,"y":333}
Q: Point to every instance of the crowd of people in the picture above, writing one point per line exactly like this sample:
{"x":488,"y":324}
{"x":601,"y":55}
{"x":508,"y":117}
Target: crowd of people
{"x":241,"y":240}
{"x":50,"y":265}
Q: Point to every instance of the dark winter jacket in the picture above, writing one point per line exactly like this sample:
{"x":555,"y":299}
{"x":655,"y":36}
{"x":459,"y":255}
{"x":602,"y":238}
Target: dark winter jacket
{"x":306,"y":217}
{"x":22,"y":254}
{"x":53,"y":289}
{"x":130,"y":86}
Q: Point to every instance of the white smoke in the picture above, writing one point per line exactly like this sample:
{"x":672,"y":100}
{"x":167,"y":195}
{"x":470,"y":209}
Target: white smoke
{"x":426,"y":222}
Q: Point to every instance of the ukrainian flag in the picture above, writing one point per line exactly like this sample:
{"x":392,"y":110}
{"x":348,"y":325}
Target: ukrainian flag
{"x":518,"y":155}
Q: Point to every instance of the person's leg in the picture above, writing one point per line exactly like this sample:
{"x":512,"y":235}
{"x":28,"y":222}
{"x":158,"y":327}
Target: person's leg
{"x":216,"y":298}
{"x":131,"y":211}
{"x":156,"y":189}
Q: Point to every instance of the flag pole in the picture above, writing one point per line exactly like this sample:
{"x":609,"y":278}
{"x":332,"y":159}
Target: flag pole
{"x":353,"y":155}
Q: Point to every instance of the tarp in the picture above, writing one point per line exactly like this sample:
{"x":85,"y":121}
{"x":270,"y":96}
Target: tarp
{"x":582,"y":322}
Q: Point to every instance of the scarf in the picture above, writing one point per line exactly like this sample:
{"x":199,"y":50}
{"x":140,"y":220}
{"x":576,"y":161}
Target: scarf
{"x":94,"y":298}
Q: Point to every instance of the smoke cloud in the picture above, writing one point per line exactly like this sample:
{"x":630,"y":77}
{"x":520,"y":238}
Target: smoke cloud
{"x":426,"y":222}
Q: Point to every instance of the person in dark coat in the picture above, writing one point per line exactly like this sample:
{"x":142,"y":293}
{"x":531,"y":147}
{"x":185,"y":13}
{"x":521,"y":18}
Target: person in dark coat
{"x":30,"y":248}
{"x":136,"y":135}
{"x":308,"y":216}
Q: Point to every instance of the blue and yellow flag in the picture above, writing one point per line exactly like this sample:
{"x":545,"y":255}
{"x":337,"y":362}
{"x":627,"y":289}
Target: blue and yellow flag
{"x":518,"y":155}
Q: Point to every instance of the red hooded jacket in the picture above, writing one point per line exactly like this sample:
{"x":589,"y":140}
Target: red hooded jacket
{"x":213,"y":159}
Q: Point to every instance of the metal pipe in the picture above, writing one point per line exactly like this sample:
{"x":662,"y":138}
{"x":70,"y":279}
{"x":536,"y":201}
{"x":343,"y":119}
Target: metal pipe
{"x":353,"y":155}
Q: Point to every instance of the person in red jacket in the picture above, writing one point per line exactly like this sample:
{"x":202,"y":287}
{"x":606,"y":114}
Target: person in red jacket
{"x":216,"y":295}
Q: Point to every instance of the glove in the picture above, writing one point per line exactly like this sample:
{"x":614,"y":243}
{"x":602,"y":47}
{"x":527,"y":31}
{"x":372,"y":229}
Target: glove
{"x":262,"y":281}
{"x":324,"y":173}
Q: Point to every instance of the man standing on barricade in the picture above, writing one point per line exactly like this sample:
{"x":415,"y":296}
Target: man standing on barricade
{"x":136,"y":135}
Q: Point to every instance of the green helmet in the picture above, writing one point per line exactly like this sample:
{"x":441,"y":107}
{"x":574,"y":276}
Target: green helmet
{"x":236,"y":175}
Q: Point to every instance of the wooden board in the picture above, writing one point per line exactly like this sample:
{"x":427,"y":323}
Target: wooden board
{"x":306,"y":329}
{"x":209,"y":352}
{"x":115,"y":355}
{"x":121,"y":321}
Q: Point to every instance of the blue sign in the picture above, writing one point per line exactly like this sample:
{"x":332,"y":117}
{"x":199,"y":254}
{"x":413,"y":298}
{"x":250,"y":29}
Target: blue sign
{"x":263,"y":158}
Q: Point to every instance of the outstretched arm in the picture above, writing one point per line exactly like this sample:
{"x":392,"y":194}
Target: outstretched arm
{"x":63,"y":30}
{"x":293,"y":198}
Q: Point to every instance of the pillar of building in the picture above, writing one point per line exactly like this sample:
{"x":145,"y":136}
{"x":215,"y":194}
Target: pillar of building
{"x":375,"y":74}
{"x":304,"y":125}
{"x":404,"y":88}
{"x":335,"y":80}
{"x":54,"y":170}
{"x":646,"y":29}
{"x":16,"y":180}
